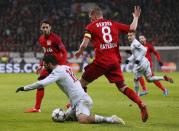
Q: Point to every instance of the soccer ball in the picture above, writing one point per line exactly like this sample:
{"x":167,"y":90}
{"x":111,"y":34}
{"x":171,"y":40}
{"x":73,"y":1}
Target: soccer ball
{"x":58,"y":115}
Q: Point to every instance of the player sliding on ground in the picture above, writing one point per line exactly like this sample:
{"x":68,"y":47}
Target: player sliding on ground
{"x":141,"y":63}
{"x":81,"y":102}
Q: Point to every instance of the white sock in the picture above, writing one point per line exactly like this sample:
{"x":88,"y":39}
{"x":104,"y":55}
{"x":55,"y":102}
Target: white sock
{"x":156,"y":78}
{"x":99,"y":119}
{"x":108,"y":119}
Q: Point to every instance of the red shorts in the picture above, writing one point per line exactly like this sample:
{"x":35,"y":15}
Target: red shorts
{"x":112,"y":72}
{"x":43,"y":73}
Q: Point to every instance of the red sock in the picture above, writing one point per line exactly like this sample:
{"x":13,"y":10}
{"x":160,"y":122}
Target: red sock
{"x":142,"y":83}
{"x":39,"y":97}
{"x":133,"y":96}
{"x":159,"y":85}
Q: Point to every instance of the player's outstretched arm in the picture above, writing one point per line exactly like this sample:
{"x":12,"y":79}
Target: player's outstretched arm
{"x":19,"y":89}
{"x":53,"y":77}
{"x":160,"y":63}
{"x":83,"y":46}
{"x":157,"y":55}
{"x":29,"y":87}
{"x":136,"y":15}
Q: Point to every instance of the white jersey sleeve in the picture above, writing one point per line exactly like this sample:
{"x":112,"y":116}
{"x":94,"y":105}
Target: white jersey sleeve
{"x":131,"y":58}
{"x":65,"y":80}
{"x":143,"y":51}
{"x":53,"y":77}
{"x":138,"y":50}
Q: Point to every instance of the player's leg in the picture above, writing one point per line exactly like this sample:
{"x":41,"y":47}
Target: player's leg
{"x":148,"y":73}
{"x":84,"y":116}
{"x":135,"y":98}
{"x":39,"y":94}
{"x":160,"y":86}
{"x":136,"y":86}
{"x":137,"y":76}
{"x":144,"y":89}
{"x":84,"y":84}
{"x":151,"y":78}
{"x":85,"y":119}
{"x":39,"y":98}
{"x":116,"y":76}
{"x":142,"y":83}
{"x":91,"y":72}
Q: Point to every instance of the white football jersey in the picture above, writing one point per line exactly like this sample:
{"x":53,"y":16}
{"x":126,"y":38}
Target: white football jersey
{"x":138,"y":52}
{"x":66,"y":81}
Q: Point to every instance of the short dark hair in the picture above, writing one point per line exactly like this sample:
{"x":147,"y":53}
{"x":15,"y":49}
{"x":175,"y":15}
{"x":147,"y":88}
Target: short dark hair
{"x":132,"y":31}
{"x":142,"y":35}
{"x":46,"y":21}
{"x":50,"y":59}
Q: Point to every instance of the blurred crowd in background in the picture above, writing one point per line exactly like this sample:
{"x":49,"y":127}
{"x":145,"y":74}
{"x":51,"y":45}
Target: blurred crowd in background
{"x":19,"y":21}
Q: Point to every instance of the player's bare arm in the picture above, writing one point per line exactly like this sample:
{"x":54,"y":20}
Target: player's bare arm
{"x":136,"y":15}
{"x":83,"y":46}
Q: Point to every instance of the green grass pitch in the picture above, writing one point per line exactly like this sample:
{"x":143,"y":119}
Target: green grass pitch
{"x":163,"y":111}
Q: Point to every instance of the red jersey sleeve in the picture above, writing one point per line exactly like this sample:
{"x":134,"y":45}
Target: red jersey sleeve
{"x":122,"y":27}
{"x":58,"y":42}
{"x":88,"y":32}
{"x":155,"y":52}
{"x":41,"y":61}
{"x":61,"y":47}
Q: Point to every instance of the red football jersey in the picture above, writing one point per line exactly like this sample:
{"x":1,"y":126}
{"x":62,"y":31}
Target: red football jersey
{"x":53,"y":45}
{"x":150,"y":50}
{"x":104,"y":35}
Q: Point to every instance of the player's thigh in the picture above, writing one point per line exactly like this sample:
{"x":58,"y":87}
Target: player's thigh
{"x":43,"y":74}
{"x":84,"y":106}
{"x":115,"y":75}
{"x":92,"y":72}
{"x":148,"y":71}
{"x":137,"y":74}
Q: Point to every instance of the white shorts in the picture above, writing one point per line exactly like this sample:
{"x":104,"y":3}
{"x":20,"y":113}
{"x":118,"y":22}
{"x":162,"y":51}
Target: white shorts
{"x":83,"y":106}
{"x":143,"y":69}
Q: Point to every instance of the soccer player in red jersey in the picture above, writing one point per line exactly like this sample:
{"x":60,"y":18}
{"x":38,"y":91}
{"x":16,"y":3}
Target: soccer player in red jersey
{"x":52,"y":45}
{"x":104,"y":35}
{"x":151,"y":50}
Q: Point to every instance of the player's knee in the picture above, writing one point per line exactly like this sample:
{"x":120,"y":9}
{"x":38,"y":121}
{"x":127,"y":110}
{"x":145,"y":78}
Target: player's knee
{"x":136,"y":79}
{"x":40,"y":89}
{"x":121,"y":86}
{"x":83,"y":82}
{"x":41,"y":77}
{"x":149,"y":79}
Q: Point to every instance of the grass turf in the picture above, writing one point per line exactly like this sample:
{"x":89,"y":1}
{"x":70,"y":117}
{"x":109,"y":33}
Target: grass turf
{"x":163,"y":111}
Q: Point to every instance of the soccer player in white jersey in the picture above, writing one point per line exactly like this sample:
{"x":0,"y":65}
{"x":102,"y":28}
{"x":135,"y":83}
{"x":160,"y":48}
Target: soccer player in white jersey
{"x":81,"y":102}
{"x":141,"y":63}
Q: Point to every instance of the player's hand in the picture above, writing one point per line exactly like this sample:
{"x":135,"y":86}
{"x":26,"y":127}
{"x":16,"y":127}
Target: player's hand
{"x":78,"y":53}
{"x":137,"y":62}
{"x":128,"y":52}
{"x":38,"y":70}
{"x":137,"y":11}
{"x":160,"y":63}
{"x":20,"y":89}
{"x":127,"y":62}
